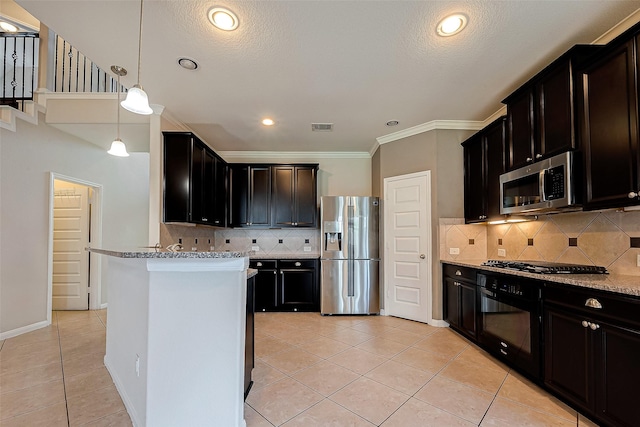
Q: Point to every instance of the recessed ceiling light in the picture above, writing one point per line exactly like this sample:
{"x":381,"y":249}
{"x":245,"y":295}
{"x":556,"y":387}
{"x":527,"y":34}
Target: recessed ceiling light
{"x":9,"y":28}
{"x":451,"y":25}
{"x":268,"y":122}
{"x":223,"y":18}
{"x":187,"y":63}
{"x":392,"y":123}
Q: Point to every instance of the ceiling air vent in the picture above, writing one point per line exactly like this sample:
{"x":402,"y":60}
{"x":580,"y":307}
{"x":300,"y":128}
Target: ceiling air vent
{"x":322,"y":127}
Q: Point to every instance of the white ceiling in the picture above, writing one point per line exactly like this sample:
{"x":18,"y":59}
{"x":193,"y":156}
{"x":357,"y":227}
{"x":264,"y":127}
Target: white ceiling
{"x":357,"y":64}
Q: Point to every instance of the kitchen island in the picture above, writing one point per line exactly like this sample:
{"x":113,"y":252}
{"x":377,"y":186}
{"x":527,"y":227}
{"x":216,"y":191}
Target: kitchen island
{"x":176,"y":335}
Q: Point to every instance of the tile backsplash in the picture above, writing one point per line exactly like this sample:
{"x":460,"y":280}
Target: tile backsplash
{"x":610,"y":239}
{"x":277,"y":241}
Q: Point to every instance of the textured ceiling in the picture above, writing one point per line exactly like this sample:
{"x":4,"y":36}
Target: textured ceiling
{"x":357,"y":64}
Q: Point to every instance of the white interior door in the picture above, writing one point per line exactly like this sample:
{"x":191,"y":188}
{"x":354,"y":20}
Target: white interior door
{"x":407,"y":237}
{"x":70,"y":278}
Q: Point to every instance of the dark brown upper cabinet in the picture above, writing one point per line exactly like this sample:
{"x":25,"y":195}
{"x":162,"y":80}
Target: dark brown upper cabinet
{"x":609,"y":126}
{"x":250,"y":195}
{"x":294,"y":196}
{"x":194,"y":181}
{"x":483,"y":165}
{"x":541,"y":113}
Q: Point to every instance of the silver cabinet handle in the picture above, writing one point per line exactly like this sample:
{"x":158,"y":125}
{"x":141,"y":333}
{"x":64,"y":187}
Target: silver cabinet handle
{"x":632,"y":195}
{"x":503,"y":352}
{"x":529,"y":159}
{"x":258,"y":264}
{"x":594,"y":326}
{"x":456,"y":283}
{"x":422,"y":256}
{"x":592,"y":303}
{"x":205,"y":219}
{"x":298,"y":264}
{"x":538,"y":156}
{"x":458,"y":273}
{"x":585,"y":324}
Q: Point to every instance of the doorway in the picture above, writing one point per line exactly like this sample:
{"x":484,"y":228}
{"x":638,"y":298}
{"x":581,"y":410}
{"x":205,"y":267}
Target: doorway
{"x":408,"y":252}
{"x":74,"y":224}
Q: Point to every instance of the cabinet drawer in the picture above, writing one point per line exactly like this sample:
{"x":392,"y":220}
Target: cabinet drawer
{"x":296,"y":263}
{"x":263,"y":264}
{"x":457,"y":272}
{"x":595,"y":303}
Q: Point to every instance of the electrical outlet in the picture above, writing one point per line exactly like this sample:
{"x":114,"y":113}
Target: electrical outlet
{"x":454,"y":251}
{"x":307,"y":248}
{"x":194,"y":249}
{"x":137,"y":365}
{"x":638,"y":260}
{"x":255,"y":248}
{"x":502,"y":252}
{"x":212,"y":248}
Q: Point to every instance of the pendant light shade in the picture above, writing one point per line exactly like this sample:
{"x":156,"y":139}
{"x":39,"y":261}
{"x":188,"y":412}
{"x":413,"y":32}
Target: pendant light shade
{"x":117,"y":146}
{"x":118,"y":149}
{"x":137,"y":100}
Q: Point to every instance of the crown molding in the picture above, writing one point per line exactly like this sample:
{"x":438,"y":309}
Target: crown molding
{"x":429,"y":126}
{"x":278,"y":155}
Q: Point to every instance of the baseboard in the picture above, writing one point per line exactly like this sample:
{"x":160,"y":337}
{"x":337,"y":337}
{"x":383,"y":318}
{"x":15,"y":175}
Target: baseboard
{"x":439,"y":323}
{"x":125,"y":398}
{"x":103,"y":306}
{"x":23,"y":330}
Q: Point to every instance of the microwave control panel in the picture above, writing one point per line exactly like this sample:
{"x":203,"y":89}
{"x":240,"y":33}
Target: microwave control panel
{"x":554,"y":183}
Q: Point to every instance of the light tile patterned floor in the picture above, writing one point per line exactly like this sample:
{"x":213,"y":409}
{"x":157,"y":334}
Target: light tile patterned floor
{"x":310,"y":371}
{"x":384,"y":371}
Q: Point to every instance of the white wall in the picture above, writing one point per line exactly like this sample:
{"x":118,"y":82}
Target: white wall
{"x":27,"y":156}
{"x":338,"y":175}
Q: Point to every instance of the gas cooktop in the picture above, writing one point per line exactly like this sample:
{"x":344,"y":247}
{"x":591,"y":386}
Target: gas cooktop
{"x":542,"y":267}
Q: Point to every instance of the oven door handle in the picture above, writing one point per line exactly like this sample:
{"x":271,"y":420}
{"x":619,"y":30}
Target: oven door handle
{"x":490,"y":294}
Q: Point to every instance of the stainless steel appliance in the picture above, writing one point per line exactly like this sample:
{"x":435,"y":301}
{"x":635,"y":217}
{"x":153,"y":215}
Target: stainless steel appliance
{"x":545,"y":186}
{"x":349,"y":260}
{"x":509,"y":319}
{"x":542,"y":267}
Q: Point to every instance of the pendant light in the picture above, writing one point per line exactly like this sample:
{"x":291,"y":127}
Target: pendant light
{"x":117,"y":146}
{"x":137,"y":100}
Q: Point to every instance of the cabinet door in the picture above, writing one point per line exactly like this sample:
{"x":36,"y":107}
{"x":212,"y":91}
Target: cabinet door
{"x":568,"y":357}
{"x":520,"y":126}
{"x":494,"y":146}
{"x":555,"y":112}
{"x":239,"y":183}
{"x":452,"y":302}
{"x":294,"y":201}
{"x":266,"y":289}
{"x":618,"y":375}
{"x":220,"y":193}
{"x":609,"y":130}
{"x":468,"y":309}
{"x":305,"y":201}
{"x":260,"y":195}
{"x":474,"y":180}
{"x":202,"y":184}
{"x":298,"y":285}
{"x":177,"y":177}
{"x":283,"y":190}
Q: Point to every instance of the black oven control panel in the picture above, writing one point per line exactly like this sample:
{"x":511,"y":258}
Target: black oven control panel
{"x":508,"y":285}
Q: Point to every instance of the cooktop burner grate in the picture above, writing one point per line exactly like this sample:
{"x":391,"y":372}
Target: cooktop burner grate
{"x":542,"y":267}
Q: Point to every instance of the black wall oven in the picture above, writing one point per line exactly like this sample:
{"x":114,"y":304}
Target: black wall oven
{"x":509,"y":319}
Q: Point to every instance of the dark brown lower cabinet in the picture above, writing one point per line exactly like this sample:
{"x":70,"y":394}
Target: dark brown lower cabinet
{"x":287,"y":285}
{"x":461,"y":306}
{"x":591,"y":359}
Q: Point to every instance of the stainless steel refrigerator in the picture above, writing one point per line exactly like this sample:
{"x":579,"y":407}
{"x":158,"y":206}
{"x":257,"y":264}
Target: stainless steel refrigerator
{"x":350,"y":259}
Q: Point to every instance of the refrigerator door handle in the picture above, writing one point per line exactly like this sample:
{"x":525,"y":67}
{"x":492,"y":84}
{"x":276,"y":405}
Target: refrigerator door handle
{"x":350,"y":251}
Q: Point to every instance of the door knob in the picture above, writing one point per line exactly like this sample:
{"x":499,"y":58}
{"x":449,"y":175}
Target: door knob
{"x":422,"y":256}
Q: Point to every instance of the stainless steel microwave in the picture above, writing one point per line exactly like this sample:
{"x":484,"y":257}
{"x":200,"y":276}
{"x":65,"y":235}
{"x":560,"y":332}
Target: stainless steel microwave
{"x":544,"y":186}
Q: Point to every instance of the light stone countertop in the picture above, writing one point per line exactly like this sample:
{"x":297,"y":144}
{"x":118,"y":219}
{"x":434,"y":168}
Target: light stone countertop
{"x":618,"y":283}
{"x":161,"y":253}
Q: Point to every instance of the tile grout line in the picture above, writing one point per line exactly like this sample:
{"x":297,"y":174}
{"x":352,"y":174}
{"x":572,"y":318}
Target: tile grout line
{"x":64,"y":383}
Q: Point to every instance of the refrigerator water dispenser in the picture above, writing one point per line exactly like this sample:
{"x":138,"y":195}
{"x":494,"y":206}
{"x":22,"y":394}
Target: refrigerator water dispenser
{"x":332,"y":235}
